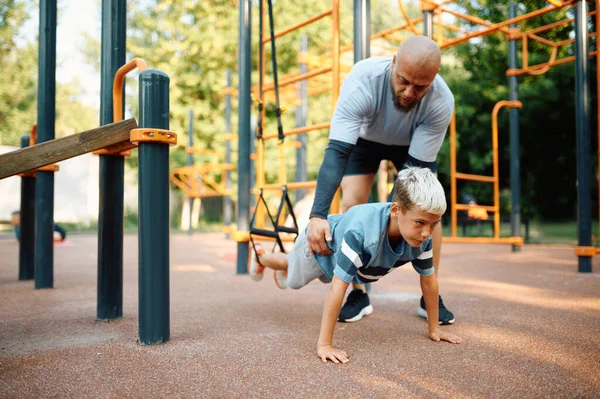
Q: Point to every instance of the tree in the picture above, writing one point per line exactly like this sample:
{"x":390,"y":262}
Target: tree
{"x":18,"y":78}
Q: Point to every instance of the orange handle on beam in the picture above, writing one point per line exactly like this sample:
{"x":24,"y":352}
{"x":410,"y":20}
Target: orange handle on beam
{"x":555,"y":3}
{"x":33,"y":135}
{"x":118,"y":85}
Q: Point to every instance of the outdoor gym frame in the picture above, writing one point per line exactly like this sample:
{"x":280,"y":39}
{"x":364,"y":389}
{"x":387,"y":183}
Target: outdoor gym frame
{"x":113,"y":140}
{"x":432,"y":17}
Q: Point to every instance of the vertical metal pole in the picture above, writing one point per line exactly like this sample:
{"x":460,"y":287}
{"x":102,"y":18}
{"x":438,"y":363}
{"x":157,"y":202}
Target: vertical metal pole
{"x":515,"y":163}
{"x":301,"y":118}
{"x":582,"y":103}
{"x":27,"y":224}
{"x":362,"y":29}
{"x":227,"y":211}
{"x":44,"y":205}
{"x":190,"y":162}
{"x":112,"y":170}
{"x":153,"y":211}
{"x":244,"y":131}
{"x":362,"y":49}
{"x":428,"y":23}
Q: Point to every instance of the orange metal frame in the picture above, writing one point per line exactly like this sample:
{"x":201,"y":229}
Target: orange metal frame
{"x":118,"y":82}
{"x":495,"y":179}
{"x":333,"y":70}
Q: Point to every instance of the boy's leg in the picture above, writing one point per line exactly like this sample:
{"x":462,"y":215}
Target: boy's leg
{"x":274,"y":260}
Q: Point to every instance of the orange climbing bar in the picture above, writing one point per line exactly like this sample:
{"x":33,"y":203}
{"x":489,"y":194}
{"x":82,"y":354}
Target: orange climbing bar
{"x":118,"y":85}
{"x":299,"y":25}
{"x":494,"y":179}
{"x":298,"y":130}
{"x":501,"y":26}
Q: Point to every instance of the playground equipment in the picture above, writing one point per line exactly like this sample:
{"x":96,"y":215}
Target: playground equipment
{"x":434,"y":16}
{"x":494,"y":179}
{"x":201,"y":180}
{"x":152,"y":138}
{"x":242,"y":236}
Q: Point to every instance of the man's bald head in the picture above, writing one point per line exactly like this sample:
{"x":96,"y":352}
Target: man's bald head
{"x":414,"y":68}
{"x":420,"y":52}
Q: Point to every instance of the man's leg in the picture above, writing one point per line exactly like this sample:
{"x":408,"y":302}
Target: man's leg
{"x":355,"y":191}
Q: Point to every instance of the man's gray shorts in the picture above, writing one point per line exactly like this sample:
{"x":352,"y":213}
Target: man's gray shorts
{"x":302,"y":265}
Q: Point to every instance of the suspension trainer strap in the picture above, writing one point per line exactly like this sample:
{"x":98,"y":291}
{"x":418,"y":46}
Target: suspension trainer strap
{"x":259,"y":130}
{"x":277,"y":229}
{"x":275,"y":81}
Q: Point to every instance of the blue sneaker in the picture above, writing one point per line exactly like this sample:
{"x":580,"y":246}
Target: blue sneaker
{"x":445,"y":316}
{"x":356,"y":307}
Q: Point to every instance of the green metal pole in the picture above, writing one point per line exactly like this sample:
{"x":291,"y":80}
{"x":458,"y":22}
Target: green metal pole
{"x":27,"y":224}
{"x":44,"y":206}
{"x":112,"y":170}
{"x":584,"y":165}
{"x":153,"y":211}
{"x":244,"y":131}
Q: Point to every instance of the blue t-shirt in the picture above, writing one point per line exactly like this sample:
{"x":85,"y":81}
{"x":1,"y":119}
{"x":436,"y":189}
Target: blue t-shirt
{"x":361,"y":248}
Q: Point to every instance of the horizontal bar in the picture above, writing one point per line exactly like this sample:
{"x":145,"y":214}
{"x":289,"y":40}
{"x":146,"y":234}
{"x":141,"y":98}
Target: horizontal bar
{"x":298,"y":26}
{"x":299,"y":130}
{"x":467,"y":176}
{"x":466,"y":207}
{"x":316,"y":72}
{"x":566,"y":60}
{"x":484,"y":240}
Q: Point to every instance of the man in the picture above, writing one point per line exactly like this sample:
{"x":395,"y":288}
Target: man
{"x":397,"y":109}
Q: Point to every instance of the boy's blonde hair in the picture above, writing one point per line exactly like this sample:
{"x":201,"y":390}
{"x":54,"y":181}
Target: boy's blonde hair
{"x":420,"y":187}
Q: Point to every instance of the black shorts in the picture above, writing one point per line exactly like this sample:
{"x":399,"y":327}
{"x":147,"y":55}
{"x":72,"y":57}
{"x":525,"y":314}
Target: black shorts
{"x":367,"y":155}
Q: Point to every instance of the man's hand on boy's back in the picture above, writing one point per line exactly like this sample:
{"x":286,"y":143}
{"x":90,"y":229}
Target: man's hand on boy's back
{"x":438,"y":335}
{"x":318,"y":234}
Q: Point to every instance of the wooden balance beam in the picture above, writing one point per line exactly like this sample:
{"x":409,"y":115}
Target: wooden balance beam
{"x":114,"y":135}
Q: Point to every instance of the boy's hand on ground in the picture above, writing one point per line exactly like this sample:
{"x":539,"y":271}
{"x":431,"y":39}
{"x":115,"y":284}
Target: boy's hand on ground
{"x":438,"y":335}
{"x":318,"y":234}
{"x":333,"y":354}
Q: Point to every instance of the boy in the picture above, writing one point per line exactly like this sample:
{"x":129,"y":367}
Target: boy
{"x":369,"y":241}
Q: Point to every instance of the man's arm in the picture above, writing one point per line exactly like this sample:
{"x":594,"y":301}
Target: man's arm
{"x":328,"y":181}
{"x":333,"y":304}
{"x":330,"y":176}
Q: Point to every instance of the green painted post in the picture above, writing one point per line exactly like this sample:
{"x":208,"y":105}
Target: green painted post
{"x":109,"y":303}
{"x":27,"y":224}
{"x":244,"y":131}
{"x":153,"y":211}
{"x":582,"y":124}
{"x":44,"y":205}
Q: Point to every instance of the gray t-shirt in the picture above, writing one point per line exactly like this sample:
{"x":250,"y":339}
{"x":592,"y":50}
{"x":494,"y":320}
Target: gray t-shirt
{"x":365,"y":109}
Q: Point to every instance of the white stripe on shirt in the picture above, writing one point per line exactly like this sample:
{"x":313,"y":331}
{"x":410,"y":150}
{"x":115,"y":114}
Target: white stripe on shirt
{"x":426,"y":254}
{"x":350,"y":254}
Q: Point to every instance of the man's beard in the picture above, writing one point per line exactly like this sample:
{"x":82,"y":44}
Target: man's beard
{"x":397,"y":102}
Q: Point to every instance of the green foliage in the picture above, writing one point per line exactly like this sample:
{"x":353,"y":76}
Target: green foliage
{"x":19,"y":74}
{"x":547,"y":120}
{"x":195,"y":43}
{"x":18,"y":83}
